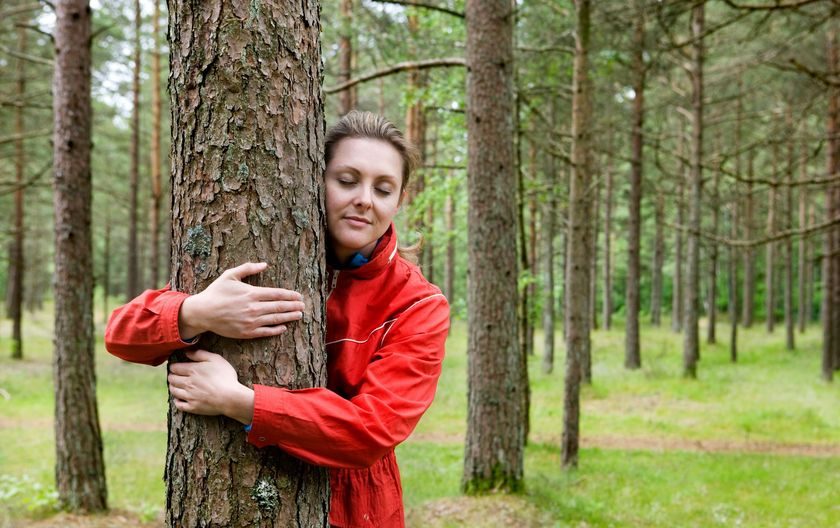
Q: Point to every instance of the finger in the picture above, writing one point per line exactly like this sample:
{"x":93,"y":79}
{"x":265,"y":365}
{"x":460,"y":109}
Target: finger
{"x":181,"y":369}
{"x":179,"y":394}
{"x":182,"y":405}
{"x":263,"y":293}
{"x":244,"y":270}
{"x":175,"y":380}
{"x":268,"y":331}
{"x":200,"y":355}
{"x":266,"y":308}
{"x":274,"y":319}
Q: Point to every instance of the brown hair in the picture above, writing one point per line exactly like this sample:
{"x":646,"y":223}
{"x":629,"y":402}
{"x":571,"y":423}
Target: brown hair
{"x":367,"y":125}
{"x":357,"y":124}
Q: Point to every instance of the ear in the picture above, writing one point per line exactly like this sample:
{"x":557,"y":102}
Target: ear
{"x":403,"y":194}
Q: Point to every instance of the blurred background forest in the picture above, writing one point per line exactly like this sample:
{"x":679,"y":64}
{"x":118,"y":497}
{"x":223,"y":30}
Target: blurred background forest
{"x":753,"y":184}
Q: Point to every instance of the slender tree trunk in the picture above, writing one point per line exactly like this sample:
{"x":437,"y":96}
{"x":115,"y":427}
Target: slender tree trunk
{"x":17,"y":266}
{"x":450,"y":242}
{"x":608,"y":206}
{"x":831,"y":253}
{"x":711,"y":299}
{"x":532,"y":257}
{"x":770,"y":252}
{"x":345,"y":56}
{"x":733,"y":286}
{"x":593,"y":283}
{"x":133,"y":286}
{"x":79,"y":465}
{"x":810,"y":283}
{"x":691,"y":345}
{"x":247,"y":151}
{"x":632,"y":353}
{"x":580,"y":238}
{"x":803,"y":264}
{"x":155,"y":172}
{"x":493,"y":458}
{"x":788,"y":243}
{"x":749,"y":253}
{"x":106,"y":266}
{"x":658,"y":262}
{"x":548,"y":217}
{"x":678,"y":301}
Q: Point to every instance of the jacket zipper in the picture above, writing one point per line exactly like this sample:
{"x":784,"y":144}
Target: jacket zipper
{"x":333,"y":282}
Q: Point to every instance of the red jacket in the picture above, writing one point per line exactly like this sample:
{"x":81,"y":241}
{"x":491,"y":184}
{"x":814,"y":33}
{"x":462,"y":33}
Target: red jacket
{"x":386,"y":328}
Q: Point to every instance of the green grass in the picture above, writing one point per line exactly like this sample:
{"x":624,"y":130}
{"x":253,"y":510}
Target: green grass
{"x":771,"y":395}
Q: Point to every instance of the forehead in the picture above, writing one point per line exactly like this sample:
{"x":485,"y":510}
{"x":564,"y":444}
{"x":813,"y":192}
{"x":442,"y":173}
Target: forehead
{"x":369,"y":156}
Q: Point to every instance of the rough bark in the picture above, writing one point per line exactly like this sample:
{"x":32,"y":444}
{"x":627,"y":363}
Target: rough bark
{"x":749,"y":253}
{"x":79,"y":465}
{"x":247,"y":165}
{"x":17,"y":262}
{"x":133,"y":285}
{"x":155,"y":161}
{"x":691,"y":344}
{"x":658,"y":262}
{"x":347,"y":97}
{"x":580,"y":238}
{"x":632,"y":353}
{"x":493,"y":458}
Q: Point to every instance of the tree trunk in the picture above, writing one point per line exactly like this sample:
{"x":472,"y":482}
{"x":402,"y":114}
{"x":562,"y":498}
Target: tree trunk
{"x":608,"y":206}
{"x":678,"y":301}
{"x":831,"y":253}
{"x":17,"y":263}
{"x":580,"y":238}
{"x":788,"y":243}
{"x":247,"y":166}
{"x":749,"y":253}
{"x":133,"y":286}
{"x":803,"y":265}
{"x":450,"y":242}
{"x":632,"y":353}
{"x":548,"y":217}
{"x":770,"y":252}
{"x":691,"y":344}
{"x":155,"y":172}
{"x":593,"y":282}
{"x":733,"y":286}
{"x":711,"y":299}
{"x":493,"y":458}
{"x":345,"y":56}
{"x":106,"y":267}
{"x":810,"y":285}
{"x":658,"y":262}
{"x":79,"y":465}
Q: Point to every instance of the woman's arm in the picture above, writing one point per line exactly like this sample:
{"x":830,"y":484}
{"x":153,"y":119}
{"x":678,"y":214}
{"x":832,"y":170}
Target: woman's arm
{"x":150,"y":327}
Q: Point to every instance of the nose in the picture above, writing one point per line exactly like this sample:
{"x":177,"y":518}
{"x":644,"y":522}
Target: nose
{"x":364,"y":196}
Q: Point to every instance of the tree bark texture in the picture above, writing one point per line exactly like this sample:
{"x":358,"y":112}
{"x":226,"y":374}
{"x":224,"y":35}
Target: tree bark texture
{"x":580,"y":238}
{"x":493,"y":458}
{"x":17,"y":262}
{"x":691,"y":345}
{"x":632,"y":353}
{"x":79,"y":465}
{"x":155,"y":161}
{"x":247,"y":166}
{"x":133,"y":286}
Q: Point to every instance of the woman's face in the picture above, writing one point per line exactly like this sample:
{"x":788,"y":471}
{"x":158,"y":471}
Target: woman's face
{"x":364,"y":192}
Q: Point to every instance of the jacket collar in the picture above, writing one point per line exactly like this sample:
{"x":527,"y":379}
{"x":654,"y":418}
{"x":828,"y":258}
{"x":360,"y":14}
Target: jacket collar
{"x":384,"y":253}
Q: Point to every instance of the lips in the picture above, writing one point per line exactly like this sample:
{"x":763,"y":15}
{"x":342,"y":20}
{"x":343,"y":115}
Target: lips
{"x":357,"y":221}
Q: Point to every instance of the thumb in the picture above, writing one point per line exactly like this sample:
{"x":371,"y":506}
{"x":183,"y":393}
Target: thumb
{"x":200,"y":355}
{"x":244,"y":270}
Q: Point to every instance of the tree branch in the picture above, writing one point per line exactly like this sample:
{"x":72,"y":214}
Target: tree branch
{"x":17,"y":10}
{"x":397,"y":68}
{"x":775,"y":237}
{"x":414,"y":3}
{"x":24,"y":56}
{"x":777,"y":4}
{"x":28,"y":135}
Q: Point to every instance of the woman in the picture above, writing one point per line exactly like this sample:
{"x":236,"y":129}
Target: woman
{"x":386,"y":328}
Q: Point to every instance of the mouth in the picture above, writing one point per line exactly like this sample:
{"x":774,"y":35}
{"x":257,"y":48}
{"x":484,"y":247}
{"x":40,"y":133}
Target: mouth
{"x":357,"y":220}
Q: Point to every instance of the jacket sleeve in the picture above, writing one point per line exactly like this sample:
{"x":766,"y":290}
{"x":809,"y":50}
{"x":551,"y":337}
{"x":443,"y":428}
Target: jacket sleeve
{"x":325,"y":429}
{"x":146,"y":329}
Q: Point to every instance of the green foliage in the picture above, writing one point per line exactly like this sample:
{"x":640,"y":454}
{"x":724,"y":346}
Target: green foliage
{"x":25,"y":494}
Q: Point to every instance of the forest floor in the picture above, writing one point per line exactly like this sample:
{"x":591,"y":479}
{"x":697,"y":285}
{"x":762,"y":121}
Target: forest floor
{"x":756,"y":443}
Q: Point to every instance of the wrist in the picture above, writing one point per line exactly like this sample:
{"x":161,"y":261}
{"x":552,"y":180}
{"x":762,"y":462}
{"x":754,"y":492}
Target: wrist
{"x":188,"y":326}
{"x":240,"y":404}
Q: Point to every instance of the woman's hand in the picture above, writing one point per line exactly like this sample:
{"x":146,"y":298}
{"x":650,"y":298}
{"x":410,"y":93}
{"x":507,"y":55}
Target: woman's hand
{"x":231,"y":308}
{"x":209,"y":386}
